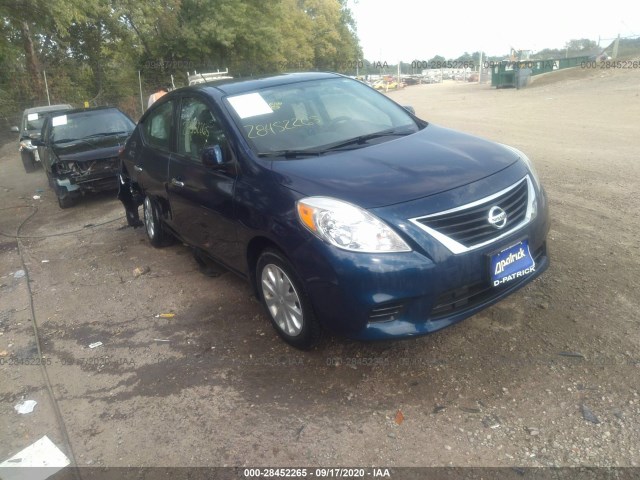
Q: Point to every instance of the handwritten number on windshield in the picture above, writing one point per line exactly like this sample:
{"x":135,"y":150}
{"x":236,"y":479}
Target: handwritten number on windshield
{"x":280,"y":126}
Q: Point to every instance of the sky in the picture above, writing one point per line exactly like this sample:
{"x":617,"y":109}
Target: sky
{"x":407,"y":30}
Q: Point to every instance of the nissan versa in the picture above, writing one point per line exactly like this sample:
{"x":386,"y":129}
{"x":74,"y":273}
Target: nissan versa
{"x":344,"y":210}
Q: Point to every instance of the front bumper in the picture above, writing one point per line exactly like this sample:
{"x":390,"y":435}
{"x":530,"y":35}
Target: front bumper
{"x":105,"y":178}
{"x":385,"y":296}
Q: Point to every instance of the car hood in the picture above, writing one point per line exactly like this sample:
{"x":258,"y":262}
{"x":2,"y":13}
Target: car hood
{"x":425,"y":163}
{"x":90,"y":148}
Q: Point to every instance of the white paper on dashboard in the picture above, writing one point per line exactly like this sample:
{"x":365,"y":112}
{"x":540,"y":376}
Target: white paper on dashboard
{"x":57,"y":121}
{"x":250,"y":105}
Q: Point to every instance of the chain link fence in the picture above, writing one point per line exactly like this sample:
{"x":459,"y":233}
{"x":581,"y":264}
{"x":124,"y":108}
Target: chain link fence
{"x":125,"y":86}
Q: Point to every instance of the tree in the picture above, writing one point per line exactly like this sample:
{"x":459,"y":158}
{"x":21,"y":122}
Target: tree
{"x":31,"y":18}
{"x":94,"y":49}
{"x":581,"y":45}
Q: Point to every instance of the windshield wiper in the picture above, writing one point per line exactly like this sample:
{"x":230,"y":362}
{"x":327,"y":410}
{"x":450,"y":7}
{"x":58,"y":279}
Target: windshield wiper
{"x":105,"y":134}
{"x":361,"y":140}
{"x":291,"y":153}
{"x":65,"y":140}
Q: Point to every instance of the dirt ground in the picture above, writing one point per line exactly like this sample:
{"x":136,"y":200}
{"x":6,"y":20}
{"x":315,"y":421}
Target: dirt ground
{"x":549,"y":377}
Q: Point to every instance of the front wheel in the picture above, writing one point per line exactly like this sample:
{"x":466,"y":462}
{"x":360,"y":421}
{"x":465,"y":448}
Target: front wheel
{"x":65,"y":199}
{"x":29,"y":162}
{"x":158,"y":237}
{"x":286,"y":302}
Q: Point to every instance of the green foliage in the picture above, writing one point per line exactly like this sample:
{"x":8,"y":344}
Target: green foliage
{"x":580,"y":46}
{"x":92,"y":50}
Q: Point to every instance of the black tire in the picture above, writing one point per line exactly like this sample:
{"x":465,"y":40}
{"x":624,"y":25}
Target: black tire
{"x":291,"y":315}
{"x":65,"y":199}
{"x":157,"y":235}
{"x":29,"y":163}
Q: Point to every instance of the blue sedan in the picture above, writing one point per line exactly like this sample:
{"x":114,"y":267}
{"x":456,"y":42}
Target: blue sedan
{"x":343,"y":210}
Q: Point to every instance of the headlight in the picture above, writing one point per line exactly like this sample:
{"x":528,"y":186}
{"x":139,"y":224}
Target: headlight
{"x":347,"y":226}
{"x":528,"y":163}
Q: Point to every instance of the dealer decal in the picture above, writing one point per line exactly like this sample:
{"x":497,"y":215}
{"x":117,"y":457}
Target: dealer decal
{"x":513,"y":276}
{"x":512,"y":263}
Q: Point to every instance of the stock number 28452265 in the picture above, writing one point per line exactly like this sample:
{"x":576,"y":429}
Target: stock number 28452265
{"x":280,"y":126}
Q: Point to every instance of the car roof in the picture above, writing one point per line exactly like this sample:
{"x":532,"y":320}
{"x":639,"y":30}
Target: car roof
{"x":48,"y":108}
{"x":242,"y":85}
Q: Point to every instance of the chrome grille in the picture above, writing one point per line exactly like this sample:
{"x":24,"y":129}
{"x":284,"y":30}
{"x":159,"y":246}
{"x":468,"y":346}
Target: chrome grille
{"x":467,"y":227}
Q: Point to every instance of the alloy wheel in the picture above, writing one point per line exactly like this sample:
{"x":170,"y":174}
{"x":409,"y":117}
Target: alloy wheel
{"x":148,"y":218}
{"x":282,"y":300}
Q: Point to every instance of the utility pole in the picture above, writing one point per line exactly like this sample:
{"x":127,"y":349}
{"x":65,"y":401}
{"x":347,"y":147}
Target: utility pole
{"x":480,"y":69}
{"x":46,"y":86}
{"x":140,"y":84}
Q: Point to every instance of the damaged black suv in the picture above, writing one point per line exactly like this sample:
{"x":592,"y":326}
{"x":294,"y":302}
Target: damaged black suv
{"x":79,"y":150}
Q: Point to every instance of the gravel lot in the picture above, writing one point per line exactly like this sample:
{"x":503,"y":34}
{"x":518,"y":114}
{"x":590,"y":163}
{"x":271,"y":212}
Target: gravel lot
{"x":549,"y":377}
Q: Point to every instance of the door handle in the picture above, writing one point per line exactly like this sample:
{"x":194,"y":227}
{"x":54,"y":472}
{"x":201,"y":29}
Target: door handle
{"x":177,"y":182}
{"x":137,"y":168}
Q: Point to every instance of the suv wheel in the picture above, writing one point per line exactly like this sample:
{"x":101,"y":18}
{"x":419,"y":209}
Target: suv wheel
{"x":286,"y":302}
{"x":152,"y":223}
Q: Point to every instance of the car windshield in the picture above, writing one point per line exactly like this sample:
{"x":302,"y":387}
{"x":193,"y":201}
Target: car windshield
{"x":314,"y":117}
{"x":87,"y":124}
{"x":35,"y":123}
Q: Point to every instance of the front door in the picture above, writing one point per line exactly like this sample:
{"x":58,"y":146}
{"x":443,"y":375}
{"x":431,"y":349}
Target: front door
{"x":201,"y":196}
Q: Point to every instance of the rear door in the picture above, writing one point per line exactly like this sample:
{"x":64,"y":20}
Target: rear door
{"x":151,"y":151}
{"x":201,"y":196}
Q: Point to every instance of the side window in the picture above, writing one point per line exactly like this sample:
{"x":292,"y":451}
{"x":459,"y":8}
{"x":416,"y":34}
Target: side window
{"x":157,"y":126}
{"x":198,"y":127}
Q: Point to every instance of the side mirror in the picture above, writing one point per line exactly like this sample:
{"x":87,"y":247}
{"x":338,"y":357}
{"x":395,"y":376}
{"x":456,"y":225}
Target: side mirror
{"x":409,"y":109}
{"x":15,"y":129}
{"x":212,"y":156}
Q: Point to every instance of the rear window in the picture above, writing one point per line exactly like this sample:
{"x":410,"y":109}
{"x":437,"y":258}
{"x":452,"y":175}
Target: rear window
{"x":33,"y":121}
